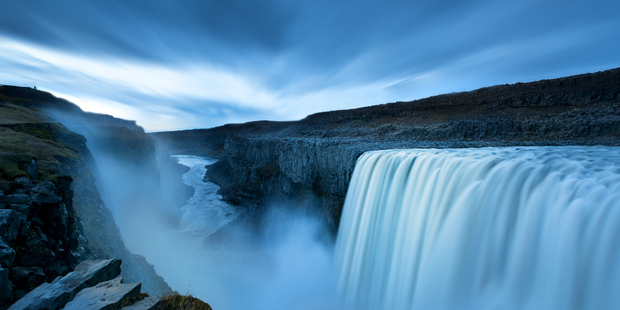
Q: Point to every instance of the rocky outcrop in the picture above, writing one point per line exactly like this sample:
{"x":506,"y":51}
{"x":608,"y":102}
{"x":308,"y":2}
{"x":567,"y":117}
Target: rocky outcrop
{"x":309,"y":162}
{"x":55,"y":295}
{"x":40,"y":237}
{"x":97,"y":285}
{"x":105,"y":295}
{"x":35,"y":148}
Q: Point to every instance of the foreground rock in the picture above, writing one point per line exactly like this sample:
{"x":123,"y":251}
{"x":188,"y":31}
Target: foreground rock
{"x":97,"y":285}
{"x":105,"y":295}
{"x":62,"y":290}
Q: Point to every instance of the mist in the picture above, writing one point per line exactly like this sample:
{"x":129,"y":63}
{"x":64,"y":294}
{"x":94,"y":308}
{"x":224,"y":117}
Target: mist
{"x":175,"y":224}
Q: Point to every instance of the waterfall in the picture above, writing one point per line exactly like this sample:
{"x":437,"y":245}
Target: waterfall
{"x":490,"y":228}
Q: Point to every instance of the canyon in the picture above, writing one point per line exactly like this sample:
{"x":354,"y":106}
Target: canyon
{"x":307,"y":164}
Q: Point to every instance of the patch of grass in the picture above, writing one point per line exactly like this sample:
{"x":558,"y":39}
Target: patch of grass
{"x":18,"y":149}
{"x":182,"y":302}
{"x":14,"y":114}
{"x":128,"y":301}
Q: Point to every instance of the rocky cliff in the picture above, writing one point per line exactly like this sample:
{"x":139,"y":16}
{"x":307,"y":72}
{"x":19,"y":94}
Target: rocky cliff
{"x":36,"y":150}
{"x":308,"y":163}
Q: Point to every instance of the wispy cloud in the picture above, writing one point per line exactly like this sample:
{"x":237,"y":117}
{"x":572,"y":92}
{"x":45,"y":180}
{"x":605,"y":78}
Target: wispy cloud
{"x":206,"y":63}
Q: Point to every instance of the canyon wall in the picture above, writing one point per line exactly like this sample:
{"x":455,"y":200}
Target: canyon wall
{"x":308,"y":163}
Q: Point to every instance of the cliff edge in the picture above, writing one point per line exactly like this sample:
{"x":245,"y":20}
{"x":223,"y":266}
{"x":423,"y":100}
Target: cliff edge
{"x":308,"y":163}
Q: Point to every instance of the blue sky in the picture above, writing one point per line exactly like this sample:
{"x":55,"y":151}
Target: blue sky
{"x":199,"y":64}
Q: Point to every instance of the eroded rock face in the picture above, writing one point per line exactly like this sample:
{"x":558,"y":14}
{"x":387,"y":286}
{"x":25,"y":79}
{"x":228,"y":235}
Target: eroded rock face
{"x":6,"y":290}
{"x":10,"y":222}
{"x":7,"y":254}
{"x":45,"y":193}
{"x":18,"y":199}
{"x":28,"y":276}
{"x":39,"y":241}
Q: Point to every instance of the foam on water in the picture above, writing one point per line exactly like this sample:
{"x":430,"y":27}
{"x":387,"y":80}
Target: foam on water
{"x":490,"y":228}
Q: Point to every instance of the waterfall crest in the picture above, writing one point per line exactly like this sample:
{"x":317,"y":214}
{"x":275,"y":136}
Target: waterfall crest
{"x":490,"y":228}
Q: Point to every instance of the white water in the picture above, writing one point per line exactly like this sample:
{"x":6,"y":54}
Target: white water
{"x":178,"y":253}
{"x":492,"y":228}
{"x":205,"y":212}
{"x":288,"y":269}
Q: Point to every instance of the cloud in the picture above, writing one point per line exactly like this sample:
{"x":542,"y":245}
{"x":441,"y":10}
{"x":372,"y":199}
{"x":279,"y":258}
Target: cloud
{"x":233,"y":61}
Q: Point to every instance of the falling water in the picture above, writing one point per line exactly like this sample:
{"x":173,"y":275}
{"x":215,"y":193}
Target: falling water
{"x":490,"y":228}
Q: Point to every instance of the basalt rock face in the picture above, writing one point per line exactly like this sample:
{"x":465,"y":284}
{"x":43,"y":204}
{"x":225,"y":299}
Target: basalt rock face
{"x":41,"y":236}
{"x":310,"y":175}
{"x":312,"y":159}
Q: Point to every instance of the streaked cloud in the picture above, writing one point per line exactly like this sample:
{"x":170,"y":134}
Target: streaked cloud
{"x":189,"y":64}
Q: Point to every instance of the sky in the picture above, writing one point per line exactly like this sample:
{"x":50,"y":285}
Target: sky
{"x":200,"y":63}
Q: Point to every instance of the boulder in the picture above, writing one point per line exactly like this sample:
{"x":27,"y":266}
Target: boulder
{"x":45,"y":193}
{"x":55,"y":295}
{"x":104,"y":296}
{"x":21,"y":208}
{"x":10,"y":222}
{"x":18,"y":199}
{"x":7,"y":254}
{"x":149,"y":303}
{"x":6,"y":289}
{"x":28,"y":276}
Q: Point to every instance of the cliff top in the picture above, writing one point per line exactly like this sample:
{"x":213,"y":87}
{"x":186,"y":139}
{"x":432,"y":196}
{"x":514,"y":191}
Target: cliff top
{"x":589,"y":97}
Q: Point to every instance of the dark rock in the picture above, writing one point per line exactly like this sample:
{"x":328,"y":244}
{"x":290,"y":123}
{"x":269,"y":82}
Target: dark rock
{"x":21,"y":208}
{"x":6,"y":289}
{"x":25,"y":182}
{"x":55,"y":217}
{"x":18,"y":199}
{"x":59,"y":267}
{"x":103,"y":296}
{"x":28,"y":276}
{"x":10,"y":222}
{"x":17,"y":295}
{"x":82,"y":249}
{"x":7,"y":254}
{"x":33,"y":257}
{"x":55,"y":295}
{"x":45,"y":193}
{"x":74,"y":240}
{"x":149,"y":303}
{"x":33,"y":169}
{"x":36,"y":221}
{"x":64,"y":186}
